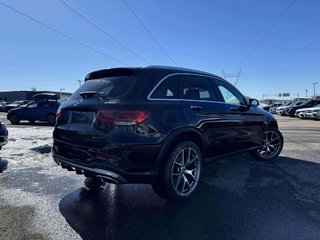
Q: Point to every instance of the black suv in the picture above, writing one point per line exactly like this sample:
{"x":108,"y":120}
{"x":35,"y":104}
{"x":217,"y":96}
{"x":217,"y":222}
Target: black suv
{"x":158,"y":125}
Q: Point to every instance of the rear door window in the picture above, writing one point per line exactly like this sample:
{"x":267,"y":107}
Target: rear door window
{"x":111,"y":87}
{"x":200,"y":88}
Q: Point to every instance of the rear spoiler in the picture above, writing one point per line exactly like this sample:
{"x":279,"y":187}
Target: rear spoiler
{"x":111,"y":72}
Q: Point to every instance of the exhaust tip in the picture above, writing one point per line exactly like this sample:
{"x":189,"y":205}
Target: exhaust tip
{"x":107,"y":179}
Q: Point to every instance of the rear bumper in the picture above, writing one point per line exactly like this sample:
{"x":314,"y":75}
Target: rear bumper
{"x":103,"y":169}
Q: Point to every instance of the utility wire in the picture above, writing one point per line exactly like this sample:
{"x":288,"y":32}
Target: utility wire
{"x":101,"y":30}
{"x":63,"y":34}
{"x":265,"y":34}
{"x":117,"y":25}
{"x":153,"y":37}
{"x":294,"y":53}
{"x":161,"y":29}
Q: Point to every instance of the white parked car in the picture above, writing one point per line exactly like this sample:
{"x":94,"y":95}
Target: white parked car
{"x":302,"y":113}
{"x":280,"y":109}
{"x":313,"y":112}
{"x":307,"y":112}
{"x":316,"y":115}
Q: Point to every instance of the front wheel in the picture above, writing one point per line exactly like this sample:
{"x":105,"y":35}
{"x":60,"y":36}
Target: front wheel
{"x":272,"y":144}
{"x":181,"y":174}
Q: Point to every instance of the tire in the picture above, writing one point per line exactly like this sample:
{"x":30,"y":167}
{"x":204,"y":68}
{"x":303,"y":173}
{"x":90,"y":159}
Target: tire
{"x":14,"y":119}
{"x":181,"y":174}
{"x":92,"y":184}
{"x":51,"y":119}
{"x":271,"y":146}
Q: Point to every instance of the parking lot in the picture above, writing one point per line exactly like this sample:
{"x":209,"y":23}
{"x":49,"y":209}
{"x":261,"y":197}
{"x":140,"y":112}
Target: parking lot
{"x":239,"y":198}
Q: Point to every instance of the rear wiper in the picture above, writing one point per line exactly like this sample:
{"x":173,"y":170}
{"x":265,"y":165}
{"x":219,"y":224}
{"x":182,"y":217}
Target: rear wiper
{"x":88,"y":94}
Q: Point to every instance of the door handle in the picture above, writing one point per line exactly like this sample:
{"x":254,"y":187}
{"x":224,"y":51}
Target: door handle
{"x":196,"y":108}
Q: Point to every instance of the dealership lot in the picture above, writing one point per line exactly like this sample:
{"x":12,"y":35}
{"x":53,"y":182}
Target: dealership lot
{"x":239,"y":198}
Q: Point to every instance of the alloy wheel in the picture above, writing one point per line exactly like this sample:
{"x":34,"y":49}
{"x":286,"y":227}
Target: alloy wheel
{"x":271,"y":144}
{"x":185,"y":171}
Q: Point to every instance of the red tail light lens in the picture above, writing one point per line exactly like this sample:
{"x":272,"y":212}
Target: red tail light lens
{"x":122,"y":118}
{"x":60,"y":116}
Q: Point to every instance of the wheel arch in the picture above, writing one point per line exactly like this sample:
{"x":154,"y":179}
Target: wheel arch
{"x":272,"y":123}
{"x":176,"y":137}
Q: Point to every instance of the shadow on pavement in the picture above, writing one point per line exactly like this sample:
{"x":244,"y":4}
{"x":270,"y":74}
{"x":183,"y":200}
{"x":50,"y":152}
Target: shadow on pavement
{"x":3,"y":165}
{"x":239,"y":198}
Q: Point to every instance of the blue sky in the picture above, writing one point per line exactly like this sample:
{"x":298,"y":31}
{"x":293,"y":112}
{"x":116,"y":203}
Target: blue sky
{"x":276,"y":54}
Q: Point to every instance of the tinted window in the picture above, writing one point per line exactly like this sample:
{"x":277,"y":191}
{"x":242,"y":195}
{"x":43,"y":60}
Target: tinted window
{"x":168,"y":89}
{"x":33,"y":105}
{"x":201,"y":88}
{"x":106,"y":87}
{"x":229,"y":93}
{"x":53,"y":104}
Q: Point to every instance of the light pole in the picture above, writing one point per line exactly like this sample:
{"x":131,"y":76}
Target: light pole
{"x":61,"y":89}
{"x":314,"y":89}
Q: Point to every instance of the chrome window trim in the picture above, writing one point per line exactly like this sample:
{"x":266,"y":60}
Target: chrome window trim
{"x":174,"y":74}
{"x":182,"y":100}
{"x":187,"y":100}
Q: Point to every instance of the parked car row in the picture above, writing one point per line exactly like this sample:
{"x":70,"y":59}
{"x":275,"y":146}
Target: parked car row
{"x":302,"y":109}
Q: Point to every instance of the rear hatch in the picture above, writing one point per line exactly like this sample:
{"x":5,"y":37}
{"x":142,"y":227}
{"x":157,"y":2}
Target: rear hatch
{"x":92,"y":115}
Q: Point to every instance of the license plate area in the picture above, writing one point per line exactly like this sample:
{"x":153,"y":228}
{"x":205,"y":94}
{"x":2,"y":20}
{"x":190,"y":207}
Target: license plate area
{"x":77,"y":117}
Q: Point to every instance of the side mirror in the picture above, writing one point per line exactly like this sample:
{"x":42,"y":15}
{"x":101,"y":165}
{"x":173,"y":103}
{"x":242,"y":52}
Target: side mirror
{"x":253,"y":103}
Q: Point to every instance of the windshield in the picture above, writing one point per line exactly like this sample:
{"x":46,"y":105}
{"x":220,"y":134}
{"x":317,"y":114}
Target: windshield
{"x":300,"y":103}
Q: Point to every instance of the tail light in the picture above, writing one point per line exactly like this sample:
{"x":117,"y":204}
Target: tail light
{"x":59,"y":116}
{"x":122,"y":118}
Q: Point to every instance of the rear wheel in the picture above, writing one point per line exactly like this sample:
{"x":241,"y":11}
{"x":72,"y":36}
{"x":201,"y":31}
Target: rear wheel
{"x":51,"y":119}
{"x":14,"y":119}
{"x":181,"y":174}
{"x":272,"y":144}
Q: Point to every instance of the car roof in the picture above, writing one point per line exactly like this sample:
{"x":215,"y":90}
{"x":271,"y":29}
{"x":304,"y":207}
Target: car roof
{"x":131,"y":71}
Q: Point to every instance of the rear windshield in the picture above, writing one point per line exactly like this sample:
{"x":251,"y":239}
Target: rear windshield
{"x":112,"y":87}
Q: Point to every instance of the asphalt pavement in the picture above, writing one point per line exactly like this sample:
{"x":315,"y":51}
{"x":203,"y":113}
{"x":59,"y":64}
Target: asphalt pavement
{"x":239,"y":198}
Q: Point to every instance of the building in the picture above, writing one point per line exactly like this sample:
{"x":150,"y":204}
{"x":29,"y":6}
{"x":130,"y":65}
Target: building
{"x":11,"y":96}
